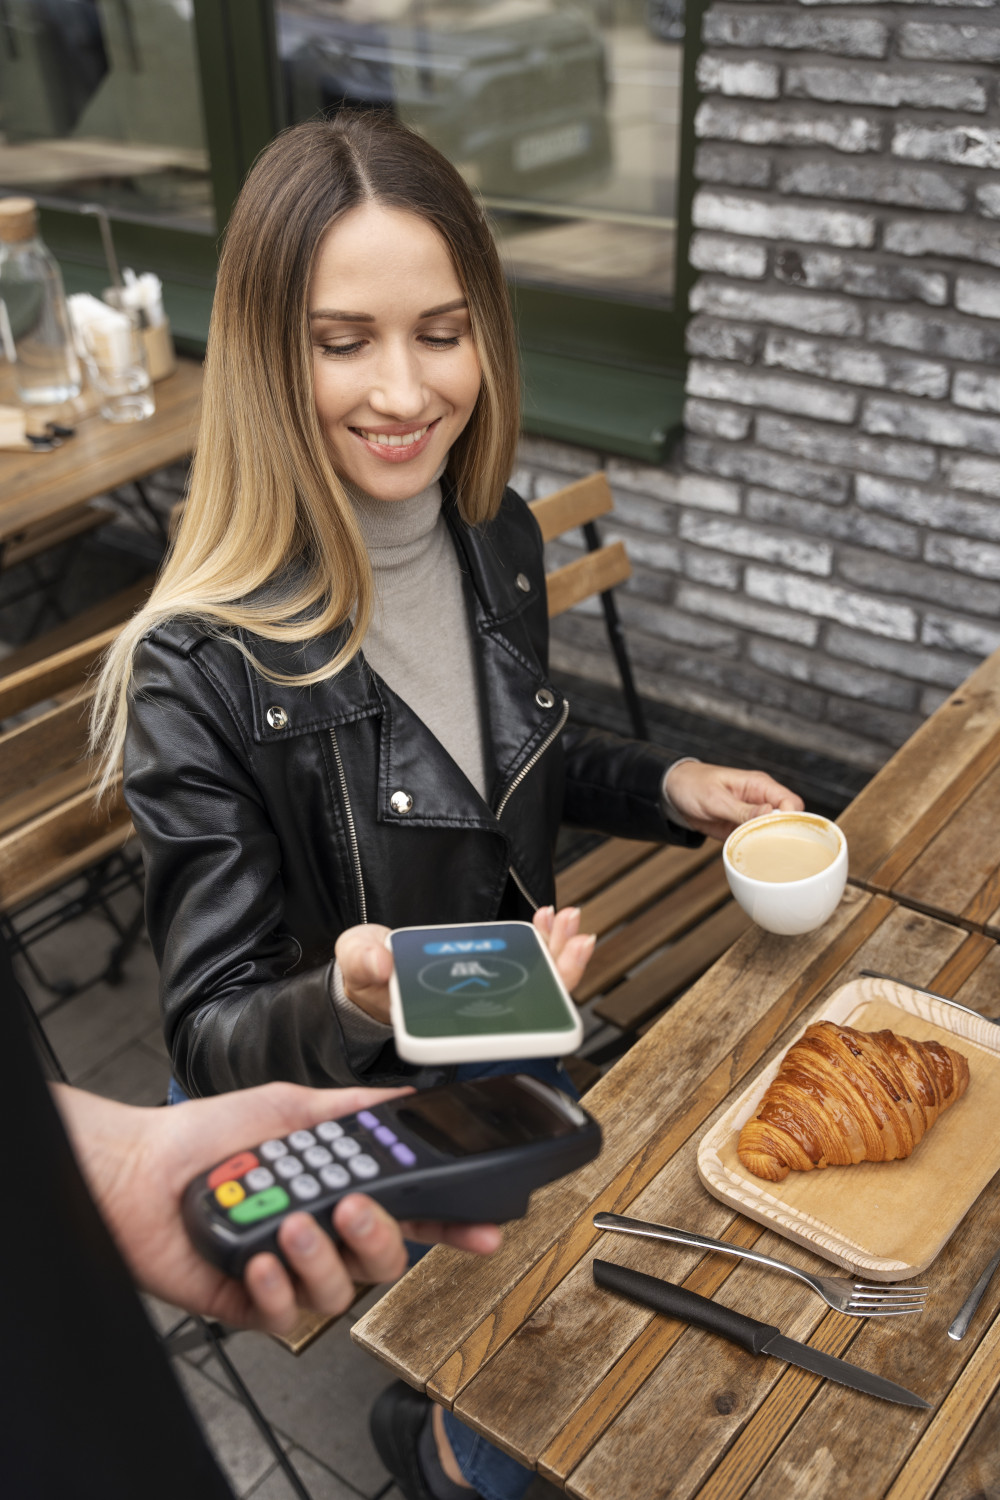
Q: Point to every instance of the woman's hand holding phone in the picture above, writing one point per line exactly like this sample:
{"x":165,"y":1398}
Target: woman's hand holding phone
{"x":366,"y":963}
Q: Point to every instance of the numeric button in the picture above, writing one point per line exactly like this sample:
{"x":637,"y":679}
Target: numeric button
{"x":271,"y":1150}
{"x":334,"y":1176}
{"x":363,"y":1167}
{"x":316,"y":1156}
{"x":288,"y":1167}
{"x":300,"y":1139}
{"x":346,"y":1147}
{"x":305,"y":1187}
{"x":258,"y":1179}
{"x":330,"y":1130}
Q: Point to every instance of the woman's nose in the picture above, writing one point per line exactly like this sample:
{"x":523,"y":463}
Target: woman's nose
{"x":398,"y":390}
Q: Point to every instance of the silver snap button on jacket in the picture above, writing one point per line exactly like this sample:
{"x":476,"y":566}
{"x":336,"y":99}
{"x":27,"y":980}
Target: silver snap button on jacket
{"x":544,"y":698}
{"x":277,"y":718}
{"x":401,"y":802}
{"x":523,"y":582}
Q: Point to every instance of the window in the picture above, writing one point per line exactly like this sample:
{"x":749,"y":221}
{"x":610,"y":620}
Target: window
{"x":564,"y":114}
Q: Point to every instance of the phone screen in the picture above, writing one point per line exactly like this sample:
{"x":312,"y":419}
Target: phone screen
{"x":474,"y":980}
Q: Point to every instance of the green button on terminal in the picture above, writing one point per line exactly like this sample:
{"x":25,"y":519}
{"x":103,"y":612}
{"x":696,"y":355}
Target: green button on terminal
{"x":273,"y":1200}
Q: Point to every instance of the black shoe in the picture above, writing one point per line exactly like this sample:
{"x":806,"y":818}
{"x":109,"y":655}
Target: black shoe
{"x":396,"y":1422}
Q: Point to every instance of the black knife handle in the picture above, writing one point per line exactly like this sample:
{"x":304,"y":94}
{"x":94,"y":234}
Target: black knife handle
{"x":678,"y":1302}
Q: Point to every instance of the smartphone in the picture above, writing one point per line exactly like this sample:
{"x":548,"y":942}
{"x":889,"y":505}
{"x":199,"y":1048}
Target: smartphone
{"x":478,"y":992}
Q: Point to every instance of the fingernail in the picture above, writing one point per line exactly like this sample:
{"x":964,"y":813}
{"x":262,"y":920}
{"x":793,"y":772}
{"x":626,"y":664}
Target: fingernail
{"x":361,"y":1220}
{"x":303,"y":1238}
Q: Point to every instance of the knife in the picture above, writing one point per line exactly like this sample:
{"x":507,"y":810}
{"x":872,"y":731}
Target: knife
{"x":756,"y":1338}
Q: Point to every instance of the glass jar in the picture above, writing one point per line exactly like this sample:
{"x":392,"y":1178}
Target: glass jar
{"x":34,"y":323}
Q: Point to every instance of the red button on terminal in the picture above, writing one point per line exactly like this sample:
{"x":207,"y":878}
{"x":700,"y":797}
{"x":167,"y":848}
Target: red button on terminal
{"x":234,"y":1167}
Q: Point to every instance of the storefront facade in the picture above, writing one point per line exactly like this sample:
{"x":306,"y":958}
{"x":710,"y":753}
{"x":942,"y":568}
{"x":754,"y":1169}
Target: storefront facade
{"x":809,"y":196}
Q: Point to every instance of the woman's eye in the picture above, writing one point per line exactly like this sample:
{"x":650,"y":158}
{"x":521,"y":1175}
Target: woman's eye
{"x":442,"y":341}
{"x":339,"y":350}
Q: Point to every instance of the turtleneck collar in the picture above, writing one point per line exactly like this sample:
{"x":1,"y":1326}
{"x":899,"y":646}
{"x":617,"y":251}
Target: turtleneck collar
{"x":397,"y":531}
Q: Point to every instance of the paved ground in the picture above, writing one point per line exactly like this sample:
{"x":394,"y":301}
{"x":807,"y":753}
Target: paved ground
{"x":108,"y":1040}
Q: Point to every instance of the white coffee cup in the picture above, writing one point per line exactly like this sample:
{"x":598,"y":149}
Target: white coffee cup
{"x":797,"y":840}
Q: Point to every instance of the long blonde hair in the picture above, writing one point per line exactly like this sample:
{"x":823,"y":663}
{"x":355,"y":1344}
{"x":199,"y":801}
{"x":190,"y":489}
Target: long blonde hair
{"x":264,"y":502}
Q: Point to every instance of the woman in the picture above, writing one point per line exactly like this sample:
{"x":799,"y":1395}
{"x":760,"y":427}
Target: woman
{"x":294,"y":796}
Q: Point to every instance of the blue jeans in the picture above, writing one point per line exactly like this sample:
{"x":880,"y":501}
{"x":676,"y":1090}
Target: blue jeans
{"x":491,"y":1472}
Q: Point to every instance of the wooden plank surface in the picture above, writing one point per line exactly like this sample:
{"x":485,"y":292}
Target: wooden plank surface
{"x":671,"y":971}
{"x":35,"y":487}
{"x":593,"y":573}
{"x":573,"y":506}
{"x":643,"y":884}
{"x":915,"y":793}
{"x":55,"y":674}
{"x":594,"y":870}
{"x":114,"y":610}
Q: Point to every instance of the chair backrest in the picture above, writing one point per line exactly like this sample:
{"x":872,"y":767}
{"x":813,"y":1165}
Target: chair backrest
{"x":599,"y":570}
{"x":59,"y":673}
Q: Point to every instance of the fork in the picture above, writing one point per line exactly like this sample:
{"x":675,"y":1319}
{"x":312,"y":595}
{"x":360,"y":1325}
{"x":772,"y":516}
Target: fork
{"x":846,"y":1296}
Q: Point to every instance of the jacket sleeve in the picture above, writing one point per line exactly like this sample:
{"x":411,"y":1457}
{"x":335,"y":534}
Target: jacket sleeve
{"x":614,"y":786}
{"x":237,"y":1011}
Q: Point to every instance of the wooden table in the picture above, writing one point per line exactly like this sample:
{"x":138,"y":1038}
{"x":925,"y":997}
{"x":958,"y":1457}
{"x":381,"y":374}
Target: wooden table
{"x":613,"y":1403}
{"x":925,"y":829}
{"x":38,"y":488}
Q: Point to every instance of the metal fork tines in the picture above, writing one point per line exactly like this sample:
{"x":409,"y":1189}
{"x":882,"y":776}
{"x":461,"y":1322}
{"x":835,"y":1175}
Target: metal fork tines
{"x":857,"y":1298}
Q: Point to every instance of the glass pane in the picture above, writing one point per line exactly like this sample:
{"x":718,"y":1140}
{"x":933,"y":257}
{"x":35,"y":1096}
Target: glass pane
{"x":564,"y":116}
{"x":100,"y":102}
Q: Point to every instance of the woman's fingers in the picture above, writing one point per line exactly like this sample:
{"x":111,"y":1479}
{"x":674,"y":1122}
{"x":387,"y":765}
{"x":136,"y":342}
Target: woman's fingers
{"x":570,"y":948}
{"x":574,"y":958}
{"x":365,"y":966}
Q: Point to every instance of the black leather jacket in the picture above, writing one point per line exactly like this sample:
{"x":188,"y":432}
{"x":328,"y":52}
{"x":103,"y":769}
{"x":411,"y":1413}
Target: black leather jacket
{"x":270,"y":816}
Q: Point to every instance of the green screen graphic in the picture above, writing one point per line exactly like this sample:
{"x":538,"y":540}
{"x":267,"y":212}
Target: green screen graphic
{"x":469,"y":981}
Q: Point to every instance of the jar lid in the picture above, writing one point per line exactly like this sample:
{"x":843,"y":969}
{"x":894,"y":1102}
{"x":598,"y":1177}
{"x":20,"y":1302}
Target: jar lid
{"x":18,"y":219}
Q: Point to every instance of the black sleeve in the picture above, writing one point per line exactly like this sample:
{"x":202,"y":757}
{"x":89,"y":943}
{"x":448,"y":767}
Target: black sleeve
{"x":90,"y":1409}
{"x":613,"y":786}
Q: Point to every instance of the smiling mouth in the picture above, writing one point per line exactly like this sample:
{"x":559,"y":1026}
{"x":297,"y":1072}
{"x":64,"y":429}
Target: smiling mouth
{"x":394,"y":439}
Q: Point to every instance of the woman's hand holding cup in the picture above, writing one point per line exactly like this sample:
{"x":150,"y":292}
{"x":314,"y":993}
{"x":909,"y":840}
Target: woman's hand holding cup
{"x":366,"y":963}
{"x":716,"y":799}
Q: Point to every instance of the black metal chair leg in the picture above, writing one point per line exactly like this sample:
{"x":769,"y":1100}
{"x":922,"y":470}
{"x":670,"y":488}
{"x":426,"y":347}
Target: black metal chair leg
{"x":214,"y":1340}
{"x":616,"y":640}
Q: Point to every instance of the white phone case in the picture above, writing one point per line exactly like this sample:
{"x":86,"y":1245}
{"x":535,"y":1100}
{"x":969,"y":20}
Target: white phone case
{"x":485,"y":1047}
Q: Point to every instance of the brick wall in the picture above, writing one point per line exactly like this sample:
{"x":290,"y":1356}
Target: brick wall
{"x":825,"y":565}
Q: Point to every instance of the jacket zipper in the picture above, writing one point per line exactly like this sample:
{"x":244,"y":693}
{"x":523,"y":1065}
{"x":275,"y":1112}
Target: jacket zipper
{"x":522,"y":773}
{"x":351,"y":830}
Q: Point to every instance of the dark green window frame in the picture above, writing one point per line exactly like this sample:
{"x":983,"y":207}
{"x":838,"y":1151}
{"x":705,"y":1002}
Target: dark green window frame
{"x":603,"y":372}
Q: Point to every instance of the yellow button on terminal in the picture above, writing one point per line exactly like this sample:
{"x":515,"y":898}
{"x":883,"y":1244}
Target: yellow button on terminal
{"x":229,"y":1193}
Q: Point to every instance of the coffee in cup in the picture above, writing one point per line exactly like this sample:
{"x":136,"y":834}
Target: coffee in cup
{"x":787,"y":870}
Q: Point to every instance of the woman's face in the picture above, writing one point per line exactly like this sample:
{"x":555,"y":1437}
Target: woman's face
{"x":395,"y":368}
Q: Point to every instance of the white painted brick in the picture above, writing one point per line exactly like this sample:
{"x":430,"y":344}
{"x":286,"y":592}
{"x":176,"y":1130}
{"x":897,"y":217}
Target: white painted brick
{"x":833,"y":84}
{"x":749,"y":388}
{"x":975,"y":295}
{"x":714,"y":252}
{"x":843,"y":523}
{"x":827,"y":600}
{"x":833,"y":315}
{"x":679,"y":489}
{"x":848,"y":38}
{"x":771,"y":469}
{"x":722,"y":338}
{"x":743,"y":78}
{"x":825,"y":270}
{"x":982,"y":475}
{"x":916,"y":662}
{"x":934,"y":424}
{"x":934,"y":334}
{"x":959,"y":145}
{"x":950,"y":43}
{"x":874,"y":182}
{"x":955,"y":634}
{"x":988,"y":200}
{"x":943,"y":235}
{"x":918,"y":581}
{"x":786,"y":126}
{"x":783,"y":221}
{"x":826,"y":445}
{"x":937,"y":509}
{"x":857,"y":365}
{"x":976,"y":390}
{"x":564,"y":458}
{"x":709,"y":567}
{"x":651,"y":552}
{"x":832,"y":676}
{"x":711,"y":419}
{"x":747,"y":615}
{"x":800,"y":553}
{"x":736,"y":166}
{"x":978,"y":558}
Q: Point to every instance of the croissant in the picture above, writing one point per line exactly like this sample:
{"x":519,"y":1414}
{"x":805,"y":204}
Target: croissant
{"x":842,"y":1096}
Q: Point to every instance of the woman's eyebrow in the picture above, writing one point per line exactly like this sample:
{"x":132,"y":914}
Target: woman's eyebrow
{"x":342,"y":317}
{"x":446,"y":307}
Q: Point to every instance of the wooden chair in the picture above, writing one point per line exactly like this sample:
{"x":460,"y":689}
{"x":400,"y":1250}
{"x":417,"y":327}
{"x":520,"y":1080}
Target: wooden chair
{"x":599,"y":571}
{"x":51,"y":831}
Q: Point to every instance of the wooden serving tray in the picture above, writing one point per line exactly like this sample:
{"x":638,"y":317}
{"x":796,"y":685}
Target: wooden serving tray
{"x":887,"y":1219}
